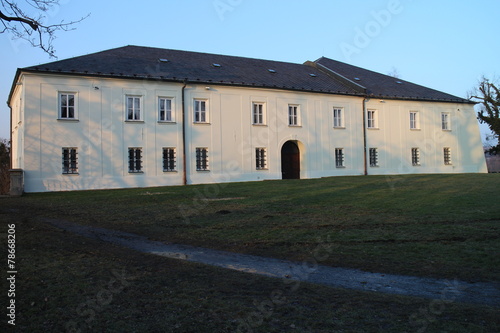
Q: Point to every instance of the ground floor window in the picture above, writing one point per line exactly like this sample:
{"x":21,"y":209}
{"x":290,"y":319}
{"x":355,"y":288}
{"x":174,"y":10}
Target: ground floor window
{"x":447,"y":155}
{"x":135,"y":160}
{"x":69,"y":161}
{"x":169,"y":159}
{"x":373,"y":157}
{"x":260,"y":158}
{"x":339,"y":157}
{"x":415,"y":156}
{"x":202,"y":159}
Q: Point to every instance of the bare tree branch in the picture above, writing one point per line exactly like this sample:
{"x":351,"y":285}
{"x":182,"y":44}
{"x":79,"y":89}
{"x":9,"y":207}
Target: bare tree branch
{"x":32,"y":28}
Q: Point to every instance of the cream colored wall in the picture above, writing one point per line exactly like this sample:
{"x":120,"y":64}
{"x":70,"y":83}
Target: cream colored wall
{"x":102,"y":135}
{"x":394,"y":138}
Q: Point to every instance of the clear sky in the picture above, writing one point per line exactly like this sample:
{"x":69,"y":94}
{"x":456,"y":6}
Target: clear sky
{"x":447,"y":45}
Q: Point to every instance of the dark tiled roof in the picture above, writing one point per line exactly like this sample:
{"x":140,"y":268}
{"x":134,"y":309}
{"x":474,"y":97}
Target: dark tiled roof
{"x":173,"y":65}
{"x":384,"y":86}
{"x":324,"y":75}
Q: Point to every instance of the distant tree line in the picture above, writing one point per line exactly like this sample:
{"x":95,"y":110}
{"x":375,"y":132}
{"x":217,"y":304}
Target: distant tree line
{"x":4,"y":166}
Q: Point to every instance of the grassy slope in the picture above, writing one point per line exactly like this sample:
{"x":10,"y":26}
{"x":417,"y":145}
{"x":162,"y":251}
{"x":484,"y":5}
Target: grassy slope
{"x":444,"y":226}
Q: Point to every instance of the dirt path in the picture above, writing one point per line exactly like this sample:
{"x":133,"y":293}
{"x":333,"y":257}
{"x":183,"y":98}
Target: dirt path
{"x":443,"y":290}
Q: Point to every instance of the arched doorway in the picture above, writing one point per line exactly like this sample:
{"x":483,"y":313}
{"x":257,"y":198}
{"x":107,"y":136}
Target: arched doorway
{"x":290,"y":161}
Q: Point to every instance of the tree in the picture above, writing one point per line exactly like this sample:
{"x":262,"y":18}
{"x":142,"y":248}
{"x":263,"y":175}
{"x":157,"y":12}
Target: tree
{"x":4,"y":166}
{"x":31,"y":27}
{"x":488,"y":95}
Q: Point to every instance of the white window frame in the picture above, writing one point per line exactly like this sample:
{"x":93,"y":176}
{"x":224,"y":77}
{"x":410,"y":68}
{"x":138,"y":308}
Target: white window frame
{"x":260,"y":158}
{"x":169,"y":159}
{"x":338,"y":117}
{"x":447,"y":156}
{"x":414,"y":120}
{"x":63,"y":95}
{"x":339,"y":158}
{"x":293,"y":115}
{"x":258,"y":113}
{"x":373,"y":157}
{"x":445,"y":121}
{"x":415,"y":156}
{"x":372,"y":119}
{"x":135,"y":164}
{"x":201,"y":116}
{"x":70,"y":161}
{"x":133,"y":112}
{"x":202,"y":160}
{"x":165,"y":114}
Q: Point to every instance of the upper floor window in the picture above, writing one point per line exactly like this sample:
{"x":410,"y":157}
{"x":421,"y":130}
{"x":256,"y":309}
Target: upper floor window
{"x":135,"y":160}
{"x":200,"y":111}
{"x":202,"y":159}
{"x":69,"y":161}
{"x":260,"y":158}
{"x":338,"y":117}
{"x":67,"y":105}
{"x":165,"y":109}
{"x":258,"y":113}
{"x":414,"y":121}
{"x":293,"y":115}
{"x":134,"y":104}
{"x":445,"y":121}
{"x":372,"y":121}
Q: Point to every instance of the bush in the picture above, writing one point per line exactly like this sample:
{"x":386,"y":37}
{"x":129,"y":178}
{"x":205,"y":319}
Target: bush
{"x":4,"y":166}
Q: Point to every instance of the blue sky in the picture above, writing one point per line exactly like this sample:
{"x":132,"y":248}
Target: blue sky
{"x":447,"y":45}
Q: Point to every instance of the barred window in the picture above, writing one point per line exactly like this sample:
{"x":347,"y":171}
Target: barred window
{"x":447,"y":155}
{"x":339,"y":157}
{"x":202,"y":159}
{"x":135,"y":160}
{"x":415,"y":156}
{"x":373,"y":157}
{"x":69,"y":161}
{"x":260,"y":158}
{"x":169,"y":159}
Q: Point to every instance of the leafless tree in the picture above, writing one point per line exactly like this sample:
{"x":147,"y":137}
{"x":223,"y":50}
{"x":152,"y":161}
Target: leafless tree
{"x":17,"y":18}
{"x":488,"y":95}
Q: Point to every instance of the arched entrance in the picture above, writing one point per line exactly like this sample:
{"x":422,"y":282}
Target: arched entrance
{"x":290,"y":161}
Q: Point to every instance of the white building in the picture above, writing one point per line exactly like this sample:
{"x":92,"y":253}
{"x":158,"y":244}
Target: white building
{"x":139,"y":117}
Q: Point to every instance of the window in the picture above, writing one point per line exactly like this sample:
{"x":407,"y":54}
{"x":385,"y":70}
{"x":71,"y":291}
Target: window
{"x":69,"y":161}
{"x":135,"y":160}
{"x":260,"y":158}
{"x":293,"y":115}
{"x":445,"y":122}
{"x":202,"y":159}
{"x":373,"y":157}
{"x":447,"y":156}
{"x":372,"y":119}
{"x":258,"y":113}
{"x":338,"y":117}
{"x":67,"y":106}
{"x":414,"y":121}
{"x":165,"y":109}
{"x":134,"y":108}
{"x":339,"y":157}
{"x":168,"y":159}
{"x":200,"y":111}
{"x":415,"y":156}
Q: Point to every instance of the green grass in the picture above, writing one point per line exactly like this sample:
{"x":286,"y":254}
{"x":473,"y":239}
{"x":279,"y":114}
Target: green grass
{"x":444,"y":226}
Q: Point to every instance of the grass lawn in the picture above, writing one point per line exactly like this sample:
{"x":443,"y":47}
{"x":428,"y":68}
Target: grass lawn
{"x":444,"y":226}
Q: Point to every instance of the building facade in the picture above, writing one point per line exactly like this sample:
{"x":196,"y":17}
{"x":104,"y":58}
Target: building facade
{"x":141,"y":117}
